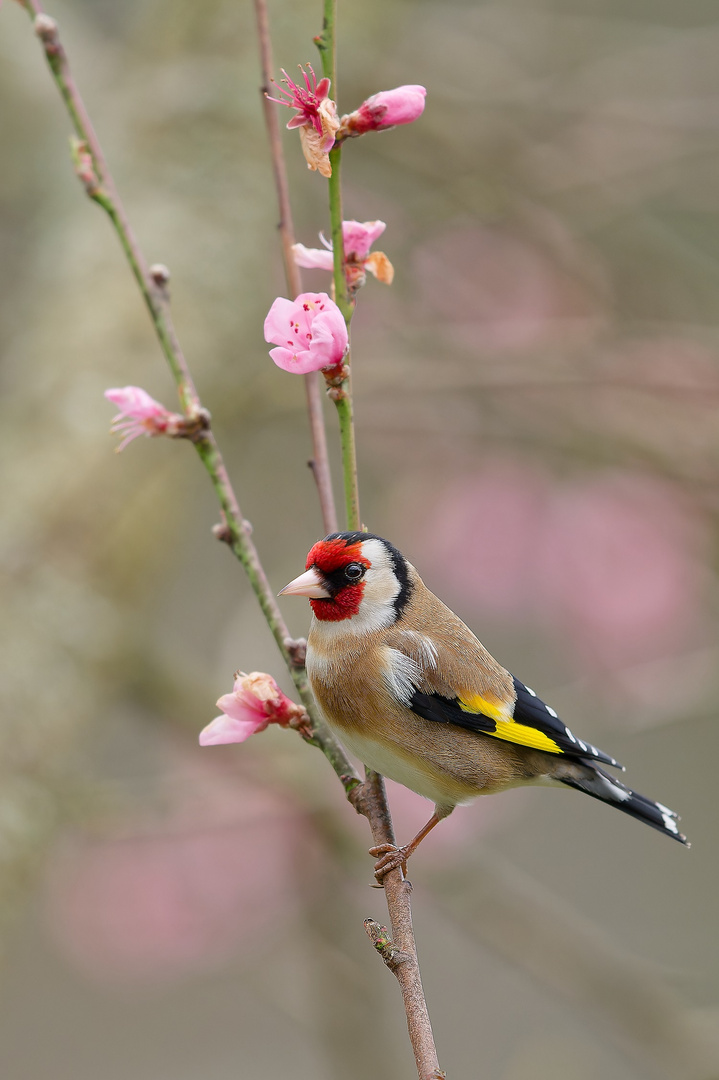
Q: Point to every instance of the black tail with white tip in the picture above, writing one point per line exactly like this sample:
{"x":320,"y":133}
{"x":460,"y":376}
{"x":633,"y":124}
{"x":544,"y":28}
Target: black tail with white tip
{"x":595,"y":782}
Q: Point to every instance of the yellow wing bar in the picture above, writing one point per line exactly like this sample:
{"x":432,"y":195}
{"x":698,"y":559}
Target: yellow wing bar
{"x":505,"y":727}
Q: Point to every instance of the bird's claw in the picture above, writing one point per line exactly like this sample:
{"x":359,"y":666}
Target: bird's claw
{"x":391,"y":857}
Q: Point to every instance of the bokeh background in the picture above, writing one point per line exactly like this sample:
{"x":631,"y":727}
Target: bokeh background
{"x":537,"y":399}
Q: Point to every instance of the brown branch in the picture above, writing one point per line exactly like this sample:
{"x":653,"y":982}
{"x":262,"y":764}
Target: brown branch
{"x":399,"y":952}
{"x":321,"y":461}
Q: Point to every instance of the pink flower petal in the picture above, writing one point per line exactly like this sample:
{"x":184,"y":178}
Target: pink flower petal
{"x":135,"y":402}
{"x":329,"y":336}
{"x":225,"y":729}
{"x":359,"y":236}
{"x":401,"y":106}
{"x":242,"y":707}
{"x":278,"y":320}
{"x":139,"y":414}
{"x":387,"y":109}
{"x":312,"y":258}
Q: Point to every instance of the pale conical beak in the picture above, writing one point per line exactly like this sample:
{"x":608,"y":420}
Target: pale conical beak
{"x":308,"y":584}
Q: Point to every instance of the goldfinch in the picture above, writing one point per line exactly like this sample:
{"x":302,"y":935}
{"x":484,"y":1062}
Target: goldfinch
{"x":411,"y":691}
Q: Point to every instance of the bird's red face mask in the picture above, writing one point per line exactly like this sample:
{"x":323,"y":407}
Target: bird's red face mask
{"x":333,"y":579}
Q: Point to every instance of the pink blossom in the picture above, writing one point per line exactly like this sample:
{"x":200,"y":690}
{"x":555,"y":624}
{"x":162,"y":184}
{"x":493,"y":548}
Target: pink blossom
{"x":156,"y":896}
{"x":384,"y":110}
{"x":316,"y":118}
{"x":497,"y":288}
{"x":310,"y":333}
{"x":612,"y":562}
{"x":358,"y":238}
{"x":140,"y":414}
{"x":619,"y":560}
{"x":256,"y":701}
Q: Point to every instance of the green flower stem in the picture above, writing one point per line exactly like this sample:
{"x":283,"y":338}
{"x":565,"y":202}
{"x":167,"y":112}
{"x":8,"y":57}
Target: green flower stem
{"x":320,"y":457}
{"x":326,"y":45}
{"x":325,"y":42}
{"x":334,"y":184}
{"x":99,"y":185}
{"x":349,"y":454}
{"x":341,"y":395}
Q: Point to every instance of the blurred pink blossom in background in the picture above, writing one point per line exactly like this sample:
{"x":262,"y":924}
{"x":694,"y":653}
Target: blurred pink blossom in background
{"x":169,"y":895}
{"x":495,"y":288}
{"x":620,"y":561}
{"x":613,"y":562}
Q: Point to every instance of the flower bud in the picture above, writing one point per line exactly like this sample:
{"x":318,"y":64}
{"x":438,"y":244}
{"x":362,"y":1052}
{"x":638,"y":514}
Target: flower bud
{"x":384,"y":110}
{"x":255,"y":702}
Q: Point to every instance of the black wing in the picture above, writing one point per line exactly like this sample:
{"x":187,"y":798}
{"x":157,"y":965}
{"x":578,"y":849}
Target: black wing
{"x":532,"y":723}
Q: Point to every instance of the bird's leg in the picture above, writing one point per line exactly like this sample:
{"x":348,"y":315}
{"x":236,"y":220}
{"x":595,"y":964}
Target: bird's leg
{"x":392,"y":856}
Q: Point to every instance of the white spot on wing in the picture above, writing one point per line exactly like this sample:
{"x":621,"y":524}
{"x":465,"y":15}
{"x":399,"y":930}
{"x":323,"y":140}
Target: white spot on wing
{"x":401,"y":674}
{"x":551,"y":712}
{"x":423,"y":648}
{"x":668,"y":817}
{"x":429,"y":652}
{"x":569,"y":735}
{"x":530,"y":691}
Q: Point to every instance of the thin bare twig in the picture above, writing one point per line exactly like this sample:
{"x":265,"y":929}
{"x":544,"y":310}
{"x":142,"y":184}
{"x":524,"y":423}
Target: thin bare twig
{"x":92,"y":169}
{"x":320,"y":461}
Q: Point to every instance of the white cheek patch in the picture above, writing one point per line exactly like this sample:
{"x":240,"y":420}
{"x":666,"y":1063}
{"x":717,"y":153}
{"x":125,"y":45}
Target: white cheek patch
{"x":380,"y":589}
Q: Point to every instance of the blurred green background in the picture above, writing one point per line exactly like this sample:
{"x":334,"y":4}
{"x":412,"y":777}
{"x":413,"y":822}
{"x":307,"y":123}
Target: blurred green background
{"x":536,"y":400}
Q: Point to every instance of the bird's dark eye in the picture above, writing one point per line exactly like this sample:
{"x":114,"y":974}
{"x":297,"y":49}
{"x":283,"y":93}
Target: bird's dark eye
{"x":354,"y":571}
